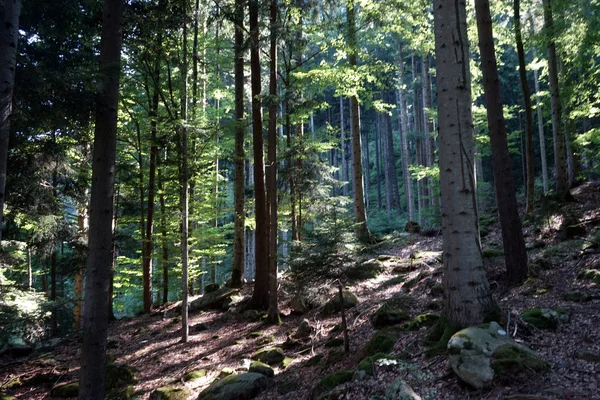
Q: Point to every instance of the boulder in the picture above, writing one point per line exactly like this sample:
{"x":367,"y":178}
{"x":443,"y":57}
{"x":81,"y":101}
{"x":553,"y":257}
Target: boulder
{"x":366,"y":365}
{"x":334,"y":342}
{"x":477,"y":353}
{"x":304,"y":330}
{"x":383,"y":341}
{"x":118,"y":376}
{"x":213,"y":299}
{"x":310,"y":299}
{"x":194,"y":375}
{"x":545,"y":318}
{"x":400,"y":390}
{"x":366,"y":270}
{"x":330,"y":382}
{"x":169,"y":393}
{"x":211,"y":287}
{"x":335,"y":303}
{"x":592,"y":275}
{"x":62,"y":390}
{"x":19,"y":350}
{"x":237,"y":387}
{"x":262,"y":368}
{"x":272,"y":356}
{"x":571,"y":228}
{"x":420,"y":321}
{"x":390,"y":313}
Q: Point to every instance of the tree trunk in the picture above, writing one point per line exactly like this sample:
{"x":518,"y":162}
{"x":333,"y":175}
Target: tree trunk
{"x":78,"y":289}
{"x":381,"y":127}
{"x":97,"y":280}
{"x":184,"y":200}
{"x":163,"y":231}
{"x":467,"y":296}
{"x":367,"y":169}
{"x":30,"y":274}
{"x":10,"y":10}
{"x":378,"y":164}
{"x":237,"y":273}
{"x":345,"y":176}
{"x":542,"y":136}
{"x":528,"y":113}
{"x":515,"y":254}
{"x":392,"y":159}
{"x":272,"y":167}
{"x":560,"y":165}
{"x":260,"y":296}
{"x":402,"y":110}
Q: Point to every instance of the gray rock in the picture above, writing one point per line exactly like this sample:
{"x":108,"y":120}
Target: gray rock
{"x":335,"y":304}
{"x":272,"y":356}
{"x":213,"y":299}
{"x":237,"y":387}
{"x":470,"y":352}
{"x":400,"y":390}
{"x":261,"y":368}
{"x":304,"y":330}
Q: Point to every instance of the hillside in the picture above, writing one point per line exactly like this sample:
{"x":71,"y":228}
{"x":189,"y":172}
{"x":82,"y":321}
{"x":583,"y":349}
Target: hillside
{"x":411,"y":274}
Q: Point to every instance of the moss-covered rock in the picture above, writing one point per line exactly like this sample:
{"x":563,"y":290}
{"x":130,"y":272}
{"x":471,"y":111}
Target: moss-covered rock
{"x":366,"y":270}
{"x":211,"y":287}
{"x":329,"y":382}
{"x":237,"y":387}
{"x":588,"y":355}
{"x":63,"y":390}
{"x":579,"y":297}
{"x":194,"y":375}
{"x":265,"y":340}
{"x":545,"y":318}
{"x":305,"y":329}
{"x":333,"y":357}
{"x":212,"y":300}
{"x":7,"y":397}
{"x":169,"y":393}
{"x":126,"y":393}
{"x":262,"y":368}
{"x":287,"y":386}
{"x":510,"y":360}
{"x":272,"y":356}
{"x":335,"y":303}
{"x":225,"y":372}
{"x":286,"y":362}
{"x":592,"y":275}
{"x":118,"y":376}
{"x":392,"y":282}
{"x":334,"y":342}
{"x":314,"y":360}
{"x":254,"y":335}
{"x":400,"y":390}
{"x":571,"y":227}
{"x":366,"y":364}
{"x":11,"y":384}
{"x":390,"y":313}
{"x":420,"y":321}
{"x":383,"y":341}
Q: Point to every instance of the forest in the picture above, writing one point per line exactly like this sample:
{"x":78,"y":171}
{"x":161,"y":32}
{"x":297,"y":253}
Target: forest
{"x":307,"y":199}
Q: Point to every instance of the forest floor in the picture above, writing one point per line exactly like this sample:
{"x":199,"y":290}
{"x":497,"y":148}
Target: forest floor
{"x":151,"y":345}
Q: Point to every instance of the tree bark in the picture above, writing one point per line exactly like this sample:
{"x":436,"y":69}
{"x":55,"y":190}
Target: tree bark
{"x":345,"y":176}
{"x":381,"y":127}
{"x":184,"y":199}
{"x":163,"y":229}
{"x":515,"y":254}
{"x":560,"y":165}
{"x":378,"y":164}
{"x":402,"y":110}
{"x":10,"y":11}
{"x":529,"y":187}
{"x":467,"y":296}
{"x":260,"y":296}
{"x":392,"y":158}
{"x":237,"y":273}
{"x":95,"y":321}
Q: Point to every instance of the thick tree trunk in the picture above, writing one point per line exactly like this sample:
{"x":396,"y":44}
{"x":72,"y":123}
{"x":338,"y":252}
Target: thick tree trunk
{"x":260,"y":296}
{"x":10,"y":11}
{"x":272,"y":167}
{"x":97,"y":281}
{"x":78,"y":285}
{"x":237,"y":273}
{"x":529,"y":187}
{"x":515,"y":254}
{"x":560,"y":165}
{"x":467,"y":296}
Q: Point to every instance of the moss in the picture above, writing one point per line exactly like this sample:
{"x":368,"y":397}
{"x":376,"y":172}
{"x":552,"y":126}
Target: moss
{"x":592,"y":275}
{"x":438,"y":337}
{"x":13,"y":383}
{"x":253,"y":335}
{"x":226,"y":372}
{"x":434,"y":305}
{"x":333,"y":357}
{"x":334,"y":305}
{"x":390,"y":313}
{"x":366,"y":364}
{"x":7,"y":397}
{"x":491,"y":253}
{"x":261,"y":368}
{"x":510,"y":360}
{"x":544,"y":318}
{"x":314,"y":360}
{"x":118,"y":376}
{"x":170,"y":393}
{"x":579,"y":297}
{"x":272,"y":356}
{"x":286,"y":362}
{"x":392,"y":282}
{"x":334,"y":342}
{"x":363,"y":271}
{"x":266,"y":340}
{"x":382,"y":342}
{"x":420,"y":321}
{"x":331,"y":381}
{"x":121,"y":394}
{"x":193,"y":375}
{"x":70,"y":389}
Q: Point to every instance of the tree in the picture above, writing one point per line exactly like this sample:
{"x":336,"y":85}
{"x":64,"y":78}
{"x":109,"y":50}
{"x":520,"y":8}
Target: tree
{"x":95,"y":315}
{"x":515,"y":254}
{"x":184,"y":199}
{"x":560,"y":166}
{"x":10,"y":10}
{"x":467,"y":296}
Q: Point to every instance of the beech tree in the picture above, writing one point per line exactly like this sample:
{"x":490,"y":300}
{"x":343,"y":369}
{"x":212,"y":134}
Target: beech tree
{"x":97,"y":273}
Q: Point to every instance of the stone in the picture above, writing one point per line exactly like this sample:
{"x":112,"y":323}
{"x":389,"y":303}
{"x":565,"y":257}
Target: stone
{"x":195,"y":375}
{"x":211,"y":287}
{"x":330,"y":382}
{"x":334,"y":342}
{"x":536,"y":244}
{"x":367,"y":364}
{"x":400,"y":390}
{"x":262,"y":368}
{"x":212,"y":299}
{"x":366,"y":270}
{"x":272,"y":356}
{"x":308,"y":300}
{"x":169,"y":393}
{"x":335,"y":303}
{"x":390,"y":313}
{"x":118,"y":376}
{"x":383,"y":341}
{"x":200,"y":327}
{"x":315,"y":359}
{"x":592,"y":275}
{"x":333,"y":357}
{"x":571,"y":228}
{"x":62,"y":390}
{"x":19,"y":350}
{"x":305,"y":329}
{"x":245,"y":386}
{"x":472,"y":354}
{"x":545,"y":318}
{"x":580,"y":297}
{"x":225,"y":372}
{"x":420,"y":321}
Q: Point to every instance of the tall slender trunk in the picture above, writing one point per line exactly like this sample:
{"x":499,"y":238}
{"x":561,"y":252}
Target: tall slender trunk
{"x":272,"y":167}
{"x":528,"y":113}
{"x":345,"y":176}
{"x":392,"y":159}
{"x":402,"y":109}
{"x":385,"y":164}
{"x":163,"y":231}
{"x":95,"y":321}
{"x":560,"y":166}
{"x":541,"y":134}
{"x":260,"y":296}
{"x":30,"y":272}
{"x":237,"y":273}
{"x":184,"y":200}
{"x":417,"y":122}
{"x":360,"y":215}
{"x":378,"y":165}
{"x":10,"y":11}
{"x":78,"y":285}
{"x":515,"y":254}
{"x":467,"y":296}
{"x":429,"y":140}
{"x":367,"y":169}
